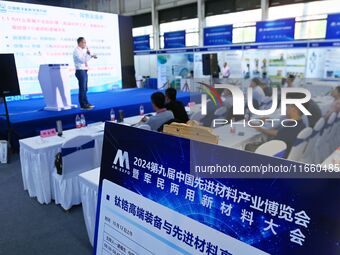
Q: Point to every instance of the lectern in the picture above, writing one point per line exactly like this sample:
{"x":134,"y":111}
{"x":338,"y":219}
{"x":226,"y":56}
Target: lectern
{"x":54,"y":83}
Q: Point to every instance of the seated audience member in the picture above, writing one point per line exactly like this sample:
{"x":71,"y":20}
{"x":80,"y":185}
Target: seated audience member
{"x":162,"y":114}
{"x":207,"y":119}
{"x":258,"y":93}
{"x":335,"y":107}
{"x":175,"y":106}
{"x":315,"y":110}
{"x":290,"y":80}
{"x":227,"y":103}
{"x":265,"y":85}
{"x":227,"y":98}
{"x":286,"y":134}
{"x":265,"y":79}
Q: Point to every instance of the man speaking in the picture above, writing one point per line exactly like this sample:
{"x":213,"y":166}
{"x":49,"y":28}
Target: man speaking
{"x":81,"y":57}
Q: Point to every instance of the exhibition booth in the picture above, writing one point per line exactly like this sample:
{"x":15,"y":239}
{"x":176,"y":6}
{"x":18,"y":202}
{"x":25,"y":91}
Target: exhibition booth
{"x":239,"y":176}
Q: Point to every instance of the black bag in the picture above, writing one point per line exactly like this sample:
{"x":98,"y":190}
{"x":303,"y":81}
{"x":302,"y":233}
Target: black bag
{"x":58,"y":163}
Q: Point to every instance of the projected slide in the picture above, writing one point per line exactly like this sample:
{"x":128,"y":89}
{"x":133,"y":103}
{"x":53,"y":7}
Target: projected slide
{"x":39,"y":34}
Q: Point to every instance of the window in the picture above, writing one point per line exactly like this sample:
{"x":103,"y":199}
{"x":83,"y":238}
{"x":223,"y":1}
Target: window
{"x":147,"y":30}
{"x":244,"y":24}
{"x":303,"y":9}
{"x":190,"y":26}
{"x":313,"y":29}
{"x":235,"y":18}
{"x":311,"y":18}
{"x":244,"y":34}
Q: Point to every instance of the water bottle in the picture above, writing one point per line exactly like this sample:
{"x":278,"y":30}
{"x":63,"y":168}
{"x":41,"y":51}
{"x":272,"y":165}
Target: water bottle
{"x":78,"y":123}
{"x":141,"y":110}
{"x":82,"y":120}
{"x":112,"y":115}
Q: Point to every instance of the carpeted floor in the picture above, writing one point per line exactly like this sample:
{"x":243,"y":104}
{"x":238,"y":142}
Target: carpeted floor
{"x":26,"y":227}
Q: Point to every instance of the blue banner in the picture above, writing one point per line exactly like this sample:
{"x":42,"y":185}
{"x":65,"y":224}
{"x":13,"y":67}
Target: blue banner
{"x":333,"y":26}
{"x":219,"y":35}
{"x":151,"y":203}
{"x":275,"y":31}
{"x":324,"y":44}
{"x":174,"y":39}
{"x":141,"y":42}
{"x":175,"y":51}
{"x":277,"y":45}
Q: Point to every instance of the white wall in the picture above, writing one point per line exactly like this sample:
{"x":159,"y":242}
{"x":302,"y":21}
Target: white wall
{"x":146,"y":65}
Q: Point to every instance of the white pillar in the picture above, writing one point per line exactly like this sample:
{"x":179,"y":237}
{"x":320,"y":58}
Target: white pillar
{"x":201,"y":20}
{"x":155,"y":24}
{"x":264,"y":8}
{"x":117,"y":7}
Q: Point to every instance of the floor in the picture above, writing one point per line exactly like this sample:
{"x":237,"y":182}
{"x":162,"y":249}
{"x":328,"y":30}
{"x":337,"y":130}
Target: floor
{"x":27,"y":227}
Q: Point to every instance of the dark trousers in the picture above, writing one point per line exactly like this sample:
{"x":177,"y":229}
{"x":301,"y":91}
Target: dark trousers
{"x":82,"y":81}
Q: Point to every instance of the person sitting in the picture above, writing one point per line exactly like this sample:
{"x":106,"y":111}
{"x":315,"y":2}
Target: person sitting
{"x":290,"y":80}
{"x":335,"y":106}
{"x":162,"y":114}
{"x":287,"y":134}
{"x":265,"y":85}
{"x":227,"y":99}
{"x":258,"y":93}
{"x":177,"y":107}
{"x":315,"y":110}
{"x":265,"y":79}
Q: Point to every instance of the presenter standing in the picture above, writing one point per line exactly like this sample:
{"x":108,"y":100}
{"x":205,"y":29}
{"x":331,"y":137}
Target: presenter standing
{"x":81,"y":57}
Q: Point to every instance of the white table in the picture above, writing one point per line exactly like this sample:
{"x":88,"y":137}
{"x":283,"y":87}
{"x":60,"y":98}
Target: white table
{"x":129,"y":121}
{"x":89,"y":183}
{"x":37,"y":157}
{"x":236,"y":140}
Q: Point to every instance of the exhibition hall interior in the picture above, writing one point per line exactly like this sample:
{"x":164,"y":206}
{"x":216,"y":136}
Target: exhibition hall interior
{"x":164,"y":127}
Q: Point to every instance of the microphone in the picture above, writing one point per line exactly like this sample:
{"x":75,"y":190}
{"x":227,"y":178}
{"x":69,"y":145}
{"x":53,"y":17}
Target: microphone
{"x":88,"y":51}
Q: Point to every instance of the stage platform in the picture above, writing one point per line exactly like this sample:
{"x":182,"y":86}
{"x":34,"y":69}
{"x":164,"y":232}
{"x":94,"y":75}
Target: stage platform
{"x":28,"y":117}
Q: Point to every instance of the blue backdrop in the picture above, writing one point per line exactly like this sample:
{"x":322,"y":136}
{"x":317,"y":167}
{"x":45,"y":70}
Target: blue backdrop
{"x":219,"y":35}
{"x":174,"y":39}
{"x":275,"y":31}
{"x":333,"y":26}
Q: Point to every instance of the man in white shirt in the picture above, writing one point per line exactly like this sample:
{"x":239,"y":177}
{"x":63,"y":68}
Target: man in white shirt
{"x":81,"y":57}
{"x":226,"y":70}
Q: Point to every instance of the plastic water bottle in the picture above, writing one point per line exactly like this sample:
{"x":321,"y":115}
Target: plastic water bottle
{"x":78,"y":123}
{"x":141,"y":110}
{"x":112,"y":115}
{"x":82,"y":120}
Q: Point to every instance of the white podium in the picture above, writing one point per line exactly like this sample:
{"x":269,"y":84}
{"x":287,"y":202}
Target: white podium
{"x":54,"y":83}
